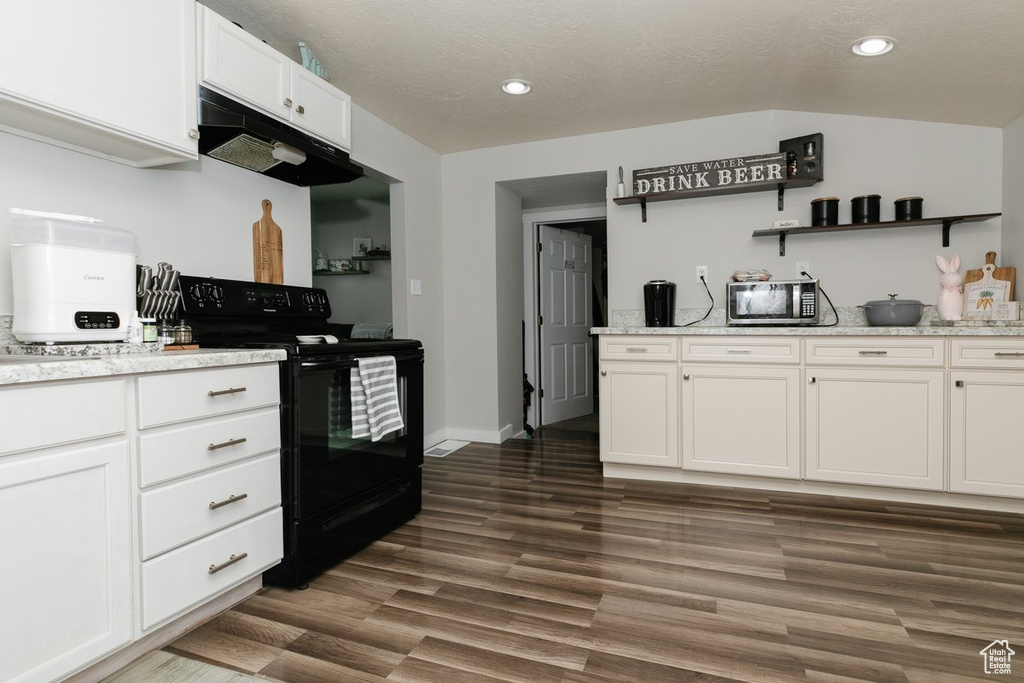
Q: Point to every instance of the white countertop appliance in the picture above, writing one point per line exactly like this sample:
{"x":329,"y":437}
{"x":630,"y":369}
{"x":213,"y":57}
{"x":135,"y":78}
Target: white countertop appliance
{"x":74,"y":279}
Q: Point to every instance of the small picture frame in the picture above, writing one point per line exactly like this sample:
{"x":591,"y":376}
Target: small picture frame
{"x":361,"y":246}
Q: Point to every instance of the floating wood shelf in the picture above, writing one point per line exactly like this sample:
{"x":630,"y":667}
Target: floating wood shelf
{"x":371,"y":258}
{"x":341,"y":272}
{"x":642,"y":199}
{"x":946,"y":221}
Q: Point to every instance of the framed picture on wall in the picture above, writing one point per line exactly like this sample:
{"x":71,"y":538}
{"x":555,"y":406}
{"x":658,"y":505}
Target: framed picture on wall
{"x":361,"y":246}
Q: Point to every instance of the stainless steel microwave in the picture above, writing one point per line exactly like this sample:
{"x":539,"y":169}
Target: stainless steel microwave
{"x":772,"y":302}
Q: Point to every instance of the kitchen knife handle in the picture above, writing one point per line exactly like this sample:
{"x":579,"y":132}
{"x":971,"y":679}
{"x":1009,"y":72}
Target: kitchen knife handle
{"x":214,"y":568}
{"x":228,"y":501}
{"x":225,"y":444}
{"x":225,"y":392}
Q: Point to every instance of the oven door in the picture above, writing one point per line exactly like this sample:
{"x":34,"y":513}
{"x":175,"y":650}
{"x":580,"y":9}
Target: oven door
{"x":332,"y":467}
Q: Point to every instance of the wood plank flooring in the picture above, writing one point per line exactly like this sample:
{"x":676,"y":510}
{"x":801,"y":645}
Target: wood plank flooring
{"x":527,"y":566}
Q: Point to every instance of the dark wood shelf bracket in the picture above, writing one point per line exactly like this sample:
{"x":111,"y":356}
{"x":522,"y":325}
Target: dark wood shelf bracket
{"x":782,"y":244}
{"x":947,"y":223}
{"x":782,"y":195}
{"x":643,"y":209}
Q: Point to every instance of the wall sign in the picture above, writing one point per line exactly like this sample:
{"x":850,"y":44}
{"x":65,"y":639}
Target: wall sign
{"x":721,"y":176}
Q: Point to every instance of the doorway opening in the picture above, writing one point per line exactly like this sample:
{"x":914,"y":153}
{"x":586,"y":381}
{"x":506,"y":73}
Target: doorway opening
{"x":351,"y":237}
{"x":568,"y":291}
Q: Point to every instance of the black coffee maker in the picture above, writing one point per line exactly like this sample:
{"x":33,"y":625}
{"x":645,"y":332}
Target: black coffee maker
{"x":660,"y":303}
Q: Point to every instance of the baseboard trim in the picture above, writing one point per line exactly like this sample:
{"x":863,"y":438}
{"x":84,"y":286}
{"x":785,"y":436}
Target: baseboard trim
{"x":880,"y":493}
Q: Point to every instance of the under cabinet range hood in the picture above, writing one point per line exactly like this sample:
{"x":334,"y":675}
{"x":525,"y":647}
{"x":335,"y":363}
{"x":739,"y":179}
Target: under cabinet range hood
{"x":232,"y":132}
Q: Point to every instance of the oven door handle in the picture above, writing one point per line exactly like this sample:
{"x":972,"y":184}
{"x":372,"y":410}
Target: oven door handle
{"x":330,"y":364}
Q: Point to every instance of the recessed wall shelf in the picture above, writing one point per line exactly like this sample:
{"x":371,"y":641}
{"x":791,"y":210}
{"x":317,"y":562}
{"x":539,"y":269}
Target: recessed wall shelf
{"x":341,"y":272}
{"x":946,"y":221}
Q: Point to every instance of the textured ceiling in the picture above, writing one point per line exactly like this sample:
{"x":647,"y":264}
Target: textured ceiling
{"x":432,"y":68}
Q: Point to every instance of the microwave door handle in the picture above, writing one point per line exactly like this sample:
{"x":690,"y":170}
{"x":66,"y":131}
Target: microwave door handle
{"x":796,"y":300}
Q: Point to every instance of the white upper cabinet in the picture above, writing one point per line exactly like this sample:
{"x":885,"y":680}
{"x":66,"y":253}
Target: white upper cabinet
{"x":240,"y":65}
{"x":112,"y":78}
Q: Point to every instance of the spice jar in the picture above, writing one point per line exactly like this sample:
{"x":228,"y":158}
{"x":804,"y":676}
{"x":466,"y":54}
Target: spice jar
{"x":165,"y":332}
{"x":825,"y":211}
{"x":182,"y":333}
{"x":865,"y":208}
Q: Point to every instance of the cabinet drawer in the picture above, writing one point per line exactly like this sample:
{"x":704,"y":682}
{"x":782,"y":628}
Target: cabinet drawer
{"x":178,"y":513}
{"x":53,"y":414}
{"x":987,"y":353}
{"x":870,"y":351}
{"x":178,"y":396}
{"x":189,"y":575}
{"x":741,"y":349}
{"x":637,"y":348}
{"x":177,"y":451}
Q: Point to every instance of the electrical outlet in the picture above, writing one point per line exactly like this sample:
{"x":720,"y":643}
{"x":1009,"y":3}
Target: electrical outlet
{"x":802,"y":266}
{"x":702,"y":272}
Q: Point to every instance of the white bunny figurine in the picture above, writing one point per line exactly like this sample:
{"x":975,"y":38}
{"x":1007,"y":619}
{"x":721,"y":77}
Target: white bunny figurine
{"x":951,"y":298}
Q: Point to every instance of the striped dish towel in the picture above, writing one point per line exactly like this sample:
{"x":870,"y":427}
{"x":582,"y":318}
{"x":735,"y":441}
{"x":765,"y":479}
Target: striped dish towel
{"x":375,"y":409}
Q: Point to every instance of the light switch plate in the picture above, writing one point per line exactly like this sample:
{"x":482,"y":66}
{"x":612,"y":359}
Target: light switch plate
{"x":416,"y":287}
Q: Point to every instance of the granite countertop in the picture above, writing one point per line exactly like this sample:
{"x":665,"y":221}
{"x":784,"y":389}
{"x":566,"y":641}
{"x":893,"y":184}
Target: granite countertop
{"x":850,"y":323}
{"x":819,"y":330}
{"x":45,"y":367}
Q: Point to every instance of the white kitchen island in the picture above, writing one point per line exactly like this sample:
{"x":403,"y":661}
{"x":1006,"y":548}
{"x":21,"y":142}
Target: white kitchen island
{"x":139,"y":495}
{"x":922,"y":414}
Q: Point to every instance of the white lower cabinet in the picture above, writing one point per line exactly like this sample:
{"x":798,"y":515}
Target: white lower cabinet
{"x":875,"y":426}
{"x":639,"y":421}
{"x":985,"y":453}
{"x":741,"y":419}
{"x":65,"y":572}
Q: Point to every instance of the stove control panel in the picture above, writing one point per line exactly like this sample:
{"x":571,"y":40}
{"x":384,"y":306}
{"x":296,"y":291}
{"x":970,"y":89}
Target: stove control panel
{"x":217,"y":297}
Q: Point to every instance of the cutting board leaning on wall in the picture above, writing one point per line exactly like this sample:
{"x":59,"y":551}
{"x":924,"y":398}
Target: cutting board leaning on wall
{"x":267,"y":249}
{"x":1007,"y":274}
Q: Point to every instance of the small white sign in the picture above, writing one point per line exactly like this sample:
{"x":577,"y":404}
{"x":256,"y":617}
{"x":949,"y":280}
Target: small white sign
{"x":788,"y":223}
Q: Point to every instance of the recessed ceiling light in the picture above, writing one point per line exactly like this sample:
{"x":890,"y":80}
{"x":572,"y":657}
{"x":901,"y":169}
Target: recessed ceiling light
{"x":516,"y":86}
{"x":873,"y":46}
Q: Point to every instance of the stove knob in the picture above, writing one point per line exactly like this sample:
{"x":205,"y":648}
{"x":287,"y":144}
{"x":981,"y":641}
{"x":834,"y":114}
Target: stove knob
{"x":216,"y":293}
{"x":196,"y":292}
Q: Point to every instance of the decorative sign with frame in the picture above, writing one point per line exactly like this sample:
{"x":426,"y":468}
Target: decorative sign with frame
{"x":721,"y":176}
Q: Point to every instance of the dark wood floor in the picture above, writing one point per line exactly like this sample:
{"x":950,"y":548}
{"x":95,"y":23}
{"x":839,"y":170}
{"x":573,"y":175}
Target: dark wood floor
{"x":526,"y":565}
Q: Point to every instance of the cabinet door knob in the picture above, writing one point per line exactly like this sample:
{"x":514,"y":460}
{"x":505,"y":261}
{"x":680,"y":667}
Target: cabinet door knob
{"x":193,"y":133}
{"x":686,"y":377}
{"x":300,"y":109}
{"x":812,"y":380}
{"x":287,"y":101}
{"x":960,"y":384}
{"x":604,"y":373}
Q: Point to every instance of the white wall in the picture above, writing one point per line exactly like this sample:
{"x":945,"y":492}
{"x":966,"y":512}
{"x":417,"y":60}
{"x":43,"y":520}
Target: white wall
{"x":957,"y":169}
{"x":354,"y":298}
{"x":415,"y":248}
{"x":1012,"y":251}
{"x":508,"y":210}
{"x":197,"y":216}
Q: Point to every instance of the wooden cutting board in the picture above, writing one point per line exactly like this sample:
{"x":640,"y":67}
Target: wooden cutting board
{"x":267,"y":249}
{"x":1007,"y":274}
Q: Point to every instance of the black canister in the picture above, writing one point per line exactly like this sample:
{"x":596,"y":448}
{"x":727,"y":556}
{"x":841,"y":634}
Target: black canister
{"x":660,"y":303}
{"x":909,"y":208}
{"x":825,"y":211}
{"x":865,"y":209}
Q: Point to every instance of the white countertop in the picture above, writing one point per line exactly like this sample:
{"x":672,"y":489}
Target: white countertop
{"x":988,"y":330}
{"x":20,"y":369}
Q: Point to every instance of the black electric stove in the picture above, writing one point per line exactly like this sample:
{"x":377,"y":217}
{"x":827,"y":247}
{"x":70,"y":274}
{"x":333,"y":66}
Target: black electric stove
{"x":339,"y":492}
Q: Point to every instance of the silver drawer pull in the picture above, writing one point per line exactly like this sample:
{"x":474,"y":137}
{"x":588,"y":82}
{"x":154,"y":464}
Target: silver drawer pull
{"x":214,"y":568}
{"x":225,"y":392}
{"x":1009,"y":354}
{"x":231,"y":499}
{"x":737,"y":350}
{"x":872,"y":353}
{"x":636,"y":349}
{"x":225,"y":444}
